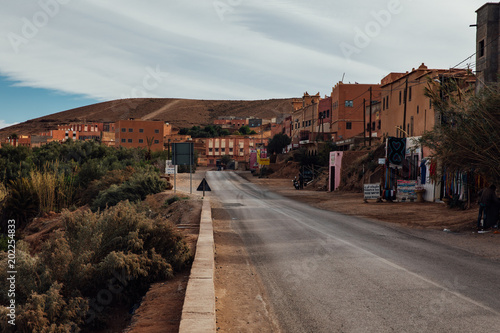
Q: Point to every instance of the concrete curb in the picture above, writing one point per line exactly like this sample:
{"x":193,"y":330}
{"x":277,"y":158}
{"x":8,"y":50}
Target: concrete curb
{"x":198,"y":312}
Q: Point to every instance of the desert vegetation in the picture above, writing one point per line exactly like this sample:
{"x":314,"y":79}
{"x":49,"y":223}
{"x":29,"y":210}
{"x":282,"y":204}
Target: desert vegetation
{"x":110,"y":247}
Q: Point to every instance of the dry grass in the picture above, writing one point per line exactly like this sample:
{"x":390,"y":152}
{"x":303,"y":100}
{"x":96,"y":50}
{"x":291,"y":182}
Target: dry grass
{"x":53,"y":189}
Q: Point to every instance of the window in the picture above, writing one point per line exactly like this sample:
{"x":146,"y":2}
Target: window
{"x":124,"y":129}
{"x":400,"y":98}
{"x":383,"y":103}
{"x":373,"y":126}
{"x":223,"y":150}
{"x":130,"y":130}
{"x":216,"y":150}
{"x":157,"y":141}
{"x":210,"y":150}
{"x":157,"y":131}
{"x":348,"y":125}
{"x":141,"y":130}
{"x":418,"y":110}
{"x":430,"y":103}
{"x":379,"y":123}
{"x":409,"y":94}
{"x":327,"y":113}
{"x":349,"y":104}
{"x":129,"y":140}
{"x":230,"y":150}
{"x":141,"y":141}
{"x":387,"y":102}
{"x":123,"y":140}
{"x":481,"y":48}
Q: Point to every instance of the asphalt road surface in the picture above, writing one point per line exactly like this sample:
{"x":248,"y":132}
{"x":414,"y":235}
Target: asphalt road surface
{"x":327,"y":272}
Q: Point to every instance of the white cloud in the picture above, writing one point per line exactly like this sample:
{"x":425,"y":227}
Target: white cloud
{"x":260,"y":49}
{"x":3,"y":124}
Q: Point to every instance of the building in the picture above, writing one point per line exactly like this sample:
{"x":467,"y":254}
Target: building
{"x":406,"y":109}
{"x":324,"y":118}
{"x":304,"y":118}
{"x":236,"y":146}
{"x":231,"y":122}
{"x":373,"y":120}
{"x":487,"y":44}
{"x":140,"y":134}
{"x":348,"y":100}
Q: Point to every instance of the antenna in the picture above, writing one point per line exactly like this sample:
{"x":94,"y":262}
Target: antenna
{"x":343,"y":78}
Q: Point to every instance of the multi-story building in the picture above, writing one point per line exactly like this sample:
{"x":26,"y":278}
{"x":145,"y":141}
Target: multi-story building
{"x":304,"y":118}
{"x":348,"y":108}
{"x":324,"y":118}
{"x":406,"y":109}
{"x":231,"y":122}
{"x":487,"y":44}
{"x":237,"y":147}
{"x":140,"y":133}
{"x":373,"y":122}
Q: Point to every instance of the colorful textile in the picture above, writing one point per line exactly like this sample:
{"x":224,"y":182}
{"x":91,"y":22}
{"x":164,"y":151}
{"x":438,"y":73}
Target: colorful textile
{"x":396,"y":148}
{"x":423,"y":172}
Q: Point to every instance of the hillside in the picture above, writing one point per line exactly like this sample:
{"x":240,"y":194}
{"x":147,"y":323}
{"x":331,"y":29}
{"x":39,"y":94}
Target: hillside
{"x":179,"y":112}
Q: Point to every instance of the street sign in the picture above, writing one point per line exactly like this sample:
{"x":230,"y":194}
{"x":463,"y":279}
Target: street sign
{"x":203,"y":186}
{"x":372,"y":191}
{"x":170,"y":169}
{"x":182,"y":153}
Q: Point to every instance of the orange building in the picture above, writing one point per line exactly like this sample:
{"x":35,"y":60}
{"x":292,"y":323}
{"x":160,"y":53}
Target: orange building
{"x":348,"y":110}
{"x":237,"y":147}
{"x":231,"y":122}
{"x":406,"y":110}
{"x":304,"y":118}
{"x":140,"y":134}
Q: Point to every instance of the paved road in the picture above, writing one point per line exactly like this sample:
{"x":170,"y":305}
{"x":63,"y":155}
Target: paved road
{"x":327,"y":272}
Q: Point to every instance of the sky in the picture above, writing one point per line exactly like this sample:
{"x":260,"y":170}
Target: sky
{"x":57,"y":55}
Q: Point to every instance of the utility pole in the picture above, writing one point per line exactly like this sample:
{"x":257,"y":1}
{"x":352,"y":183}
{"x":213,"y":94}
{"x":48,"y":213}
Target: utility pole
{"x":404,"y":106}
{"x":370,"y":138}
{"x":364,"y":122}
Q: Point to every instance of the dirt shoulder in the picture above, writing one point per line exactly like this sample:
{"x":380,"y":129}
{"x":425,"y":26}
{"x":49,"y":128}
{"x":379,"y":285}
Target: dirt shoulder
{"x":241,"y":301}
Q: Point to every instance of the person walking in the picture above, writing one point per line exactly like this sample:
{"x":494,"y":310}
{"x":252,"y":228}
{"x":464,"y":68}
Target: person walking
{"x":487,"y":202}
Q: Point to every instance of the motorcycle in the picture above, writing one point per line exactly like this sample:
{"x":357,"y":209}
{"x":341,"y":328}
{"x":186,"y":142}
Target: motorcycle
{"x":296,"y":183}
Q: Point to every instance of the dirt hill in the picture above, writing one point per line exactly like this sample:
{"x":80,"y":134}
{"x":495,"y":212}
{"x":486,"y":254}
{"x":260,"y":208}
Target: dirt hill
{"x":179,"y":112}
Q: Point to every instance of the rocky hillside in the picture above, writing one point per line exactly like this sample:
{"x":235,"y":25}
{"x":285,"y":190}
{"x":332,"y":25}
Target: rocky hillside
{"x":179,"y":112}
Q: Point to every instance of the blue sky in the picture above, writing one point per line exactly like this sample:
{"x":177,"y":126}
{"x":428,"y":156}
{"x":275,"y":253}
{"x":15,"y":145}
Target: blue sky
{"x":61,"y":54}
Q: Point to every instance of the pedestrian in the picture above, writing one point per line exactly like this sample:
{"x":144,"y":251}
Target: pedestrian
{"x":488,"y":201}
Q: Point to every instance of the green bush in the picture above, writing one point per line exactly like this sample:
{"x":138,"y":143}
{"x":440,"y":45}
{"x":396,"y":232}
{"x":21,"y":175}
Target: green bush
{"x":140,"y":185}
{"x":119,"y":250}
{"x":22,"y":204}
{"x":113,"y":177}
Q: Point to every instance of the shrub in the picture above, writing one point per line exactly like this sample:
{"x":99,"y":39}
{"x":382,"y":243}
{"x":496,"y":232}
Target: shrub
{"x":140,"y":185}
{"x":54,"y":190}
{"x":89,"y":193}
{"x":119,"y":245}
{"x":22,"y":203}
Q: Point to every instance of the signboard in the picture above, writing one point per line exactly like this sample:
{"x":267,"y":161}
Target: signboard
{"x":264,"y":161}
{"x":372,"y":191}
{"x":170,"y":169}
{"x":332,"y":158}
{"x":182,"y":153}
{"x":253,"y":160}
{"x":203,"y":186}
{"x":262,"y":158}
{"x":381,"y":161}
{"x":406,"y":190}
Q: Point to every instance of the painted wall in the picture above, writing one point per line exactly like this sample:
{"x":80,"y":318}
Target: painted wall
{"x":335,"y":169}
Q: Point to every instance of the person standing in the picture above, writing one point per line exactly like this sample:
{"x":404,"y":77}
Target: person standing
{"x":487,"y":202}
